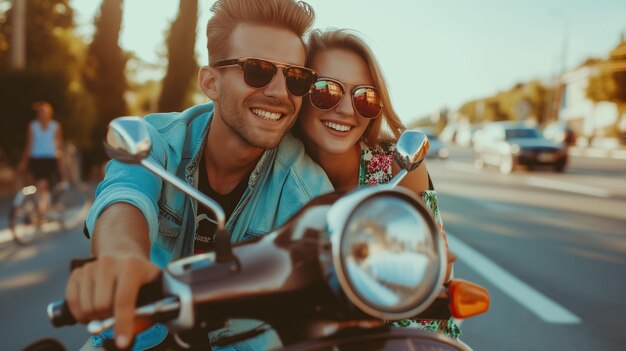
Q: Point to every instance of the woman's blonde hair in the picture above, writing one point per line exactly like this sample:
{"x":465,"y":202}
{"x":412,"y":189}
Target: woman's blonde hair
{"x":345,"y":39}
{"x":227,"y":14}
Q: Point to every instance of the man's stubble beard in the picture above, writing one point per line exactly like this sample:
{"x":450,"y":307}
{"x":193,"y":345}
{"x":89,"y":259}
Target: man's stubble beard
{"x":234,"y":120}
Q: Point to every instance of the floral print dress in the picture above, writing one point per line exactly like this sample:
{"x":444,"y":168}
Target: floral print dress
{"x":375,"y":168}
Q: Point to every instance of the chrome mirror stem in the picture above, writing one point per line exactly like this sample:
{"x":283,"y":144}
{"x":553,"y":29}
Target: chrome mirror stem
{"x":206,"y":201}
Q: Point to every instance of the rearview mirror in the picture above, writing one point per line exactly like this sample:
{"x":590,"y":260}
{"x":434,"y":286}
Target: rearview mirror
{"x":411,"y":150}
{"x":128,"y":140}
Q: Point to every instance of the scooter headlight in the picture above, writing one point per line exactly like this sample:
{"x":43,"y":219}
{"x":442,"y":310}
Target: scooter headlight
{"x":387,"y":253}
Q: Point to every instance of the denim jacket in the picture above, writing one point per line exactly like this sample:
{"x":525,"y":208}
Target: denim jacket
{"x":283,"y":180}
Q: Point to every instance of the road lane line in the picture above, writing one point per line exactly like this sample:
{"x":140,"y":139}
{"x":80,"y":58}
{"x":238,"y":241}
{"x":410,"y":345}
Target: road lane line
{"x":541,"y":305}
{"x":569,"y":187}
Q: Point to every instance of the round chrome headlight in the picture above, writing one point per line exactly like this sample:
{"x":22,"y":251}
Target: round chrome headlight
{"x":387,"y":253}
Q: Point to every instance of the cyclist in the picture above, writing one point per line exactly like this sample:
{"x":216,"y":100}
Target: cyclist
{"x":43,"y":151}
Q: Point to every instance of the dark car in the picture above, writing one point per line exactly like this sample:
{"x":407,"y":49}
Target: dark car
{"x":507,"y":145}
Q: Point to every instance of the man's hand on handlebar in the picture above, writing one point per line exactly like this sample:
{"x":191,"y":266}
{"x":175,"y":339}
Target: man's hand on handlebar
{"x":109,"y":286}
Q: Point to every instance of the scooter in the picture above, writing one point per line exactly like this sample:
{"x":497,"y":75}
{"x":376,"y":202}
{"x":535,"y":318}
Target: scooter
{"x":328,"y":279}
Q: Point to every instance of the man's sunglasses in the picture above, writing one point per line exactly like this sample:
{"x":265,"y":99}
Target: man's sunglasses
{"x":258,"y":73}
{"x":327,"y":93}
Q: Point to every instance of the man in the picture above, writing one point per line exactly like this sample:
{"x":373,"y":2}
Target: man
{"x":231,"y":149}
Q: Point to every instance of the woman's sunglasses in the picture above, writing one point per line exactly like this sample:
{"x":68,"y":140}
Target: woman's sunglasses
{"x":327,"y":93}
{"x":258,"y":73}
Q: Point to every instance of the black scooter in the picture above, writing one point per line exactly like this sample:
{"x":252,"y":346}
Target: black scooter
{"x":328,"y":279}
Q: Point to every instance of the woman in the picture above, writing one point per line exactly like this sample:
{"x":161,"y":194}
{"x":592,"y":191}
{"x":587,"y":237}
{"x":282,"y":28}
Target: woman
{"x":43,"y":152}
{"x":341,"y":125}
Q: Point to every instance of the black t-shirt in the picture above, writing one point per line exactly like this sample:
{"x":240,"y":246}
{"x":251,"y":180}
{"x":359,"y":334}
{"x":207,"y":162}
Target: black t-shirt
{"x":205,"y":228}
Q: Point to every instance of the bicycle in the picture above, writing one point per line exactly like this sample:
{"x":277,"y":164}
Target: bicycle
{"x":65,"y":206}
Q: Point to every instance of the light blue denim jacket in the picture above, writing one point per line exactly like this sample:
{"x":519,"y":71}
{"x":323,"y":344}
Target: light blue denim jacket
{"x":283,"y":180}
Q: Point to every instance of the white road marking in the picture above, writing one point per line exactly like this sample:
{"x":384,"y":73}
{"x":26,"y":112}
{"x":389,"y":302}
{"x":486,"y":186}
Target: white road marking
{"x":569,"y":187}
{"x":539,"y":304}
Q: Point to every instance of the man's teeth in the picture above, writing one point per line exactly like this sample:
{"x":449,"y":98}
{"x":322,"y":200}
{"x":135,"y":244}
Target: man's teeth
{"x":272,"y":116}
{"x":337,"y":127}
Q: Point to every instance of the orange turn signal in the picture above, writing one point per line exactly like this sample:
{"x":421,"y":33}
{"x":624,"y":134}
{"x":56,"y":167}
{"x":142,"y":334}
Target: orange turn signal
{"x":467,"y":299}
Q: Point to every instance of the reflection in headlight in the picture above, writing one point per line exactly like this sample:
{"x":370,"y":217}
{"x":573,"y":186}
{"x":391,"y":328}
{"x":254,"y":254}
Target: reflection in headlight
{"x":393,"y":268}
{"x":390,"y":257}
{"x":368,"y":285}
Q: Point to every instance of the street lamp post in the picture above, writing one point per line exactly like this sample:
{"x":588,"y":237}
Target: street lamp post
{"x":558,"y":80}
{"x":18,"y":40}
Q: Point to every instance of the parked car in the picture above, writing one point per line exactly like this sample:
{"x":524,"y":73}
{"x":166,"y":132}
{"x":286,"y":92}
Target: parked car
{"x":437,"y":148}
{"x":560,"y":132}
{"x":509,"y":144}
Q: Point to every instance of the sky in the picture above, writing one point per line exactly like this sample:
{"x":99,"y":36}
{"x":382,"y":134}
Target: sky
{"x":434,"y":54}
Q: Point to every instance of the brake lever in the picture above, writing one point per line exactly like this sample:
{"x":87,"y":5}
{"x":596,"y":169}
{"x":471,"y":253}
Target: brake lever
{"x":155,"y":311}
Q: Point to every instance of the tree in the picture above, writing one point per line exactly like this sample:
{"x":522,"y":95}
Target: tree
{"x":602,"y":87}
{"x":49,"y":31}
{"x":53,"y":72}
{"x":609,"y":81}
{"x":504,"y":105}
{"x":468,"y":109}
{"x":182,"y":66}
{"x":104,"y":73}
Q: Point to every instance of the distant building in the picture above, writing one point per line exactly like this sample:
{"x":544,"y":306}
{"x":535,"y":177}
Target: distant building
{"x":588,"y":118}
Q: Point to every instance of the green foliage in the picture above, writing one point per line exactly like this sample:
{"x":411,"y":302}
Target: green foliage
{"x":601,"y":87}
{"x":607,"y":86}
{"x":468,"y":109}
{"x":608,"y":83}
{"x":493,"y":109}
{"x":620,"y":80}
{"x":55,"y":58}
{"x":49,"y":28}
{"x":505,"y":105}
{"x":182,"y":67}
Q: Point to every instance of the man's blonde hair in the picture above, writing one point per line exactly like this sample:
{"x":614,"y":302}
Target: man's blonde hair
{"x":227,"y":14}
{"x":345,"y":39}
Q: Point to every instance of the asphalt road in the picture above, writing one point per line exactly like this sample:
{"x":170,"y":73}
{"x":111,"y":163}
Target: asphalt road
{"x":30,"y":278}
{"x":34,"y":275}
{"x":549,"y":247}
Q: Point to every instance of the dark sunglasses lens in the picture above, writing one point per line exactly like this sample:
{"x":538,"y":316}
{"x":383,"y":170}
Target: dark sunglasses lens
{"x":258,"y":73}
{"x":326,"y":94}
{"x":367,"y":102}
{"x":299,"y":80}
